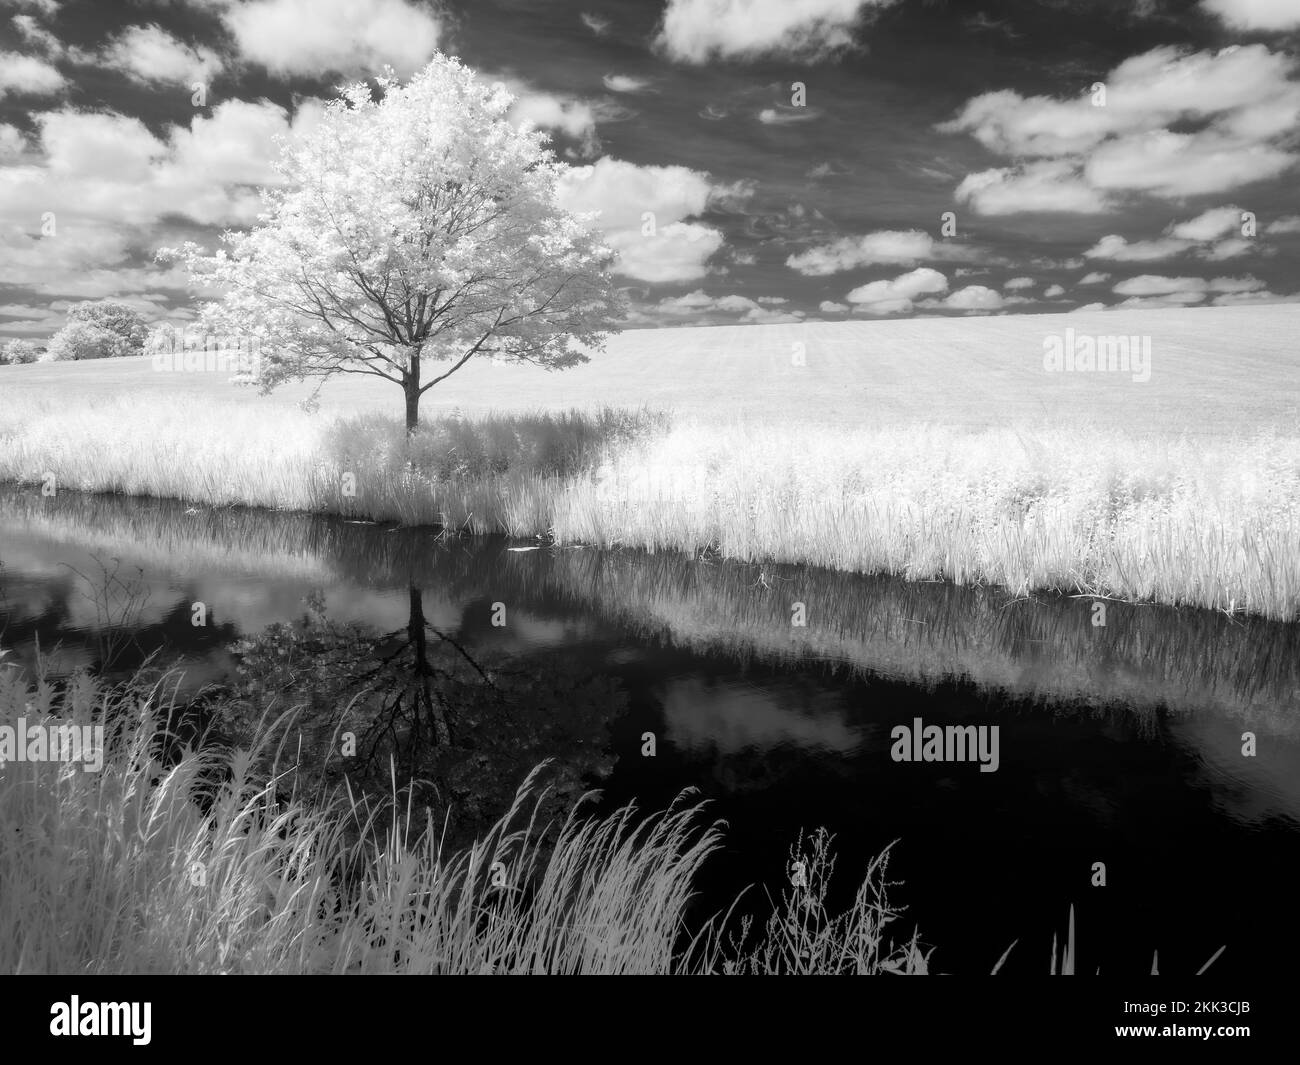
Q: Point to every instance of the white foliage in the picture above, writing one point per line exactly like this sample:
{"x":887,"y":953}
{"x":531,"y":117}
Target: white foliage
{"x":421,"y":226}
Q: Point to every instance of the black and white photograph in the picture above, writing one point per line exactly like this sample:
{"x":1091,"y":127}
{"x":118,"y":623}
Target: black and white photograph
{"x":651,"y":487}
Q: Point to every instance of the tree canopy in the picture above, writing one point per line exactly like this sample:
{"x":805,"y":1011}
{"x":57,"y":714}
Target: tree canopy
{"x":416,"y":225}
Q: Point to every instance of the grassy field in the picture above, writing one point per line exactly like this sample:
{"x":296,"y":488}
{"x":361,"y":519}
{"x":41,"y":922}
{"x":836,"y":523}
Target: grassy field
{"x":1213,"y":370}
{"x":930,"y":448}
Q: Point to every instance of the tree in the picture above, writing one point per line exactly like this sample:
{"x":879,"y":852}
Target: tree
{"x":161,"y":337}
{"x":416,"y":225}
{"x":82,"y":340}
{"x":118,"y":318}
{"x":19,"y":351}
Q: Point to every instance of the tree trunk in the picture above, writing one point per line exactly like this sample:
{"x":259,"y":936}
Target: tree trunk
{"x":412,"y":409}
{"x":412,"y":386}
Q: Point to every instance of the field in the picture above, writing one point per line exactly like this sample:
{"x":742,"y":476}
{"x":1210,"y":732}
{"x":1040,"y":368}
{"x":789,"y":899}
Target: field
{"x":1214,"y":370}
{"x":932,"y":448}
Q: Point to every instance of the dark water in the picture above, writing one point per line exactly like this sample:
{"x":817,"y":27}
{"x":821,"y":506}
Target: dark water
{"x":1118,"y":744}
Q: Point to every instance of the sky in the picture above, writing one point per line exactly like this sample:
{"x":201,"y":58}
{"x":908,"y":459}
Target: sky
{"x":801,"y":160}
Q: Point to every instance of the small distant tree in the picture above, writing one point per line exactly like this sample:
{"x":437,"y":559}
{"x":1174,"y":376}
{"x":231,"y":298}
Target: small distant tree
{"x":116,"y":317}
{"x":162,"y":337}
{"x":19,"y":351}
{"x":78,"y":341}
{"x":416,"y":225}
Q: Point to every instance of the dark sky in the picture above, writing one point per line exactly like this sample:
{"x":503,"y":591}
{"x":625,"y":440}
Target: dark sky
{"x":1179,"y":190}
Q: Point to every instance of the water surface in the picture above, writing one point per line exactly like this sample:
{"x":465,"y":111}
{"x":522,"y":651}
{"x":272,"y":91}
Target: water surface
{"x":1118,"y":744}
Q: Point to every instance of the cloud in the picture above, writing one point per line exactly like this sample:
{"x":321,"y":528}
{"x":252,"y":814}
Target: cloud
{"x":1286,"y":224}
{"x":884,"y":246}
{"x":624,"y":83}
{"x":1052,"y":291}
{"x":765,"y":316}
{"x":151,"y":54}
{"x":732,"y":196}
{"x":545,"y":110}
{"x":1232,"y":249}
{"x":1007,"y":123}
{"x":574,"y":117}
{"x":23,"y":310}
{"x":234,"y":146}
{"x":1174,"y":299}
{"x":831,"y":307}
{"x":1019,"y":282}
{"x":1174,"y":165}
{"x":641,"y":210}
{"x":699,"y":300}
{"x":36,"y":35}
{"x":699,"y":305}
{"x":86,"y":260}
{"x":1271,"y":15}
{"x":694,"y":301}
{"x":110,"y":183}
{"x":1235,"y":299}
{"x":1174,"y":124}
{"x":624,"y":191}
{"x":1041,"y":186}
{"x":825,"y":170}
{"x":1093,"y":278}
{"x":899,"y":247}
{"x":896,"y":296}
{"x":1145,"y":93}
{"x":27,"y":75}
{"x":784,"y":116}
{"x":1091,"y":307}
{"x":1204,"y":235}
{"x":12,"y":143}
{"x":599,"y":26}
{"x":1236,"y":284}
{"x":695,"y":31}
{"x":974,"y":298}
{"x":1118,"y":249}
{"x":345,"y":36}
{"x":1211,"y":225}
{"x":1156,"y":285}
{"x":676,"y":252}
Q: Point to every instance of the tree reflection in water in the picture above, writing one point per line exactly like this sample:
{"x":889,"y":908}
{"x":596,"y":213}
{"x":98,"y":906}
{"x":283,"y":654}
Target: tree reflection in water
{"x":418,"y":708}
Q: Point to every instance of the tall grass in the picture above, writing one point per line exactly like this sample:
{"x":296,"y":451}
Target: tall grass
{"x":1181,"y":521}
{"x":189,"y":863}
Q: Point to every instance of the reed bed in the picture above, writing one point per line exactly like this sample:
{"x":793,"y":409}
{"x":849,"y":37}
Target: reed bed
{"x":1183,"y":521}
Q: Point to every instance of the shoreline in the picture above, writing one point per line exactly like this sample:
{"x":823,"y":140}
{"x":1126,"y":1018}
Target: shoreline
{"x":1187,"y":527}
